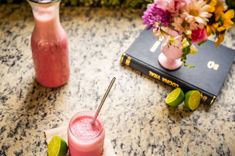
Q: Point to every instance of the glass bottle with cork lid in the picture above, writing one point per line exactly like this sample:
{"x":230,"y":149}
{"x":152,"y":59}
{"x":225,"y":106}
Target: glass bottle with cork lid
{"x":49,"y":44}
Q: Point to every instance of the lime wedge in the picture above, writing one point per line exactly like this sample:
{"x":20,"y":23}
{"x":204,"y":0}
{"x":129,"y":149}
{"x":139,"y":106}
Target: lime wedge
{"x":175,"y":98}
{"x":57,"y":147}
{"x":192,"y":99}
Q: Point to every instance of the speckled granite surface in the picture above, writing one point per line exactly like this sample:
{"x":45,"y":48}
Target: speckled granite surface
{"x":136,"y":119}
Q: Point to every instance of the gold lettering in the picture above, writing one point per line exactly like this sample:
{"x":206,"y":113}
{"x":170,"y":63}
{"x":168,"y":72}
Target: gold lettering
{"x":128,"y":61}
{"x":154,"y":75}
{"x":204,"y":97}
{"x":213,"y":100}
{"x":169,"y":82}
{"x":122,"y":58}
{"x":163,"y":79}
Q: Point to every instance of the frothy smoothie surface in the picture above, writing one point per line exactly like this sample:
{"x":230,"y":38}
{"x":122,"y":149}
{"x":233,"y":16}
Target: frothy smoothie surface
{"x":83,"y":129}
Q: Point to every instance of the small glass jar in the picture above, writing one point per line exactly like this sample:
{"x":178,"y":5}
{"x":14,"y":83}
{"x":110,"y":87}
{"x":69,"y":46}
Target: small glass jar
{"x":49,"y":44}
{"x":85,"y":138}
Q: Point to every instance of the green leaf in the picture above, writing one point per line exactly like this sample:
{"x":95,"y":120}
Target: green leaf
{"x":201,"y":43}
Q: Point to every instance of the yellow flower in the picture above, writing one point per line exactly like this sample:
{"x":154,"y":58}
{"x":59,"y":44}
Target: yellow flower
{"x":211,"y":29}
{"x":193,"y":50}
{"x":212,"y":5}
{"x":185,"y":43}
{"x":222,"y":21}
{"x":226,"y":19}
{"x":220,"y":39}
{"x":219,"y":10}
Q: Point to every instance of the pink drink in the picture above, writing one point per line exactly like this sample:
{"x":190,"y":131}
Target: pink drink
{"x":49,"y":46}
{"x":85,"y":139}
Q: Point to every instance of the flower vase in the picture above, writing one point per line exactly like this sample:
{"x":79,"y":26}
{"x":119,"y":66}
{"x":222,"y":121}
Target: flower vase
{"x":171,"y":52}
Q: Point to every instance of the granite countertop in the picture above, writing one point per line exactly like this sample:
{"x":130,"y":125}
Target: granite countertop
{"x":136,"y":119}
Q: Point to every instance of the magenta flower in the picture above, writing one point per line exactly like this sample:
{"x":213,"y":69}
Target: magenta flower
{"x":155,"y":14}
{"x":199,"y":35}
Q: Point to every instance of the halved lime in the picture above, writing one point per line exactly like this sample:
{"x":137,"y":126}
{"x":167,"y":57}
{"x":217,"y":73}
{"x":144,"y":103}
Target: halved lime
{"x":57,"y":147}
{"x":192,"y":99}
{"x":175,"y":97}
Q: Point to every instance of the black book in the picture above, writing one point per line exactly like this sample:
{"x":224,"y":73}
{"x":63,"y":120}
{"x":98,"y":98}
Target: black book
{"x":212,"y":65}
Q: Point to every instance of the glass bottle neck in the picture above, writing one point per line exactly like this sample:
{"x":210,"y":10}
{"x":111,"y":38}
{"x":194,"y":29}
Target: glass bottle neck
{"x":46,"y":16}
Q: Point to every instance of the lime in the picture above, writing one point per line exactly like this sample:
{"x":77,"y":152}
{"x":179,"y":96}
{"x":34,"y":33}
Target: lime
{"x":192,"y":99}
{"x":57,"y":147}
{"x":175,"y":98}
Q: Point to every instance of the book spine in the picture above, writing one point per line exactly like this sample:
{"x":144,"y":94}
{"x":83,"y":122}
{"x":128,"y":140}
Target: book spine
{"x":135,"y":64}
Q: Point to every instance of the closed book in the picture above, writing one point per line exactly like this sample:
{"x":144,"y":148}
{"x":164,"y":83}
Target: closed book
{"x":211,"y":65}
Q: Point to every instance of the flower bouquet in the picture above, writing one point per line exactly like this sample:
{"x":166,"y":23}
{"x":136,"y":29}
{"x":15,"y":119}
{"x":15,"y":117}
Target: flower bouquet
{"x":183,"y":23}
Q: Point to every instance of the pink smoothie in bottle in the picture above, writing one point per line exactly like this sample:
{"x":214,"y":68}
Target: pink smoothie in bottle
{"x":49,"y":46}
{"x":85,"y":138}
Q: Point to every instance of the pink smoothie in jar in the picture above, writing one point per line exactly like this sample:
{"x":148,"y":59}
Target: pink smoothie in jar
{"x":85,"y":138}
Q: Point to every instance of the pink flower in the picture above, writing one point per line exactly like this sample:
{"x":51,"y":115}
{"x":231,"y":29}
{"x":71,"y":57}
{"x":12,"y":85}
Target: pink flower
{"x":199,"y":35}
{"x":155,"y":14}
{"x":173,"y":6}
